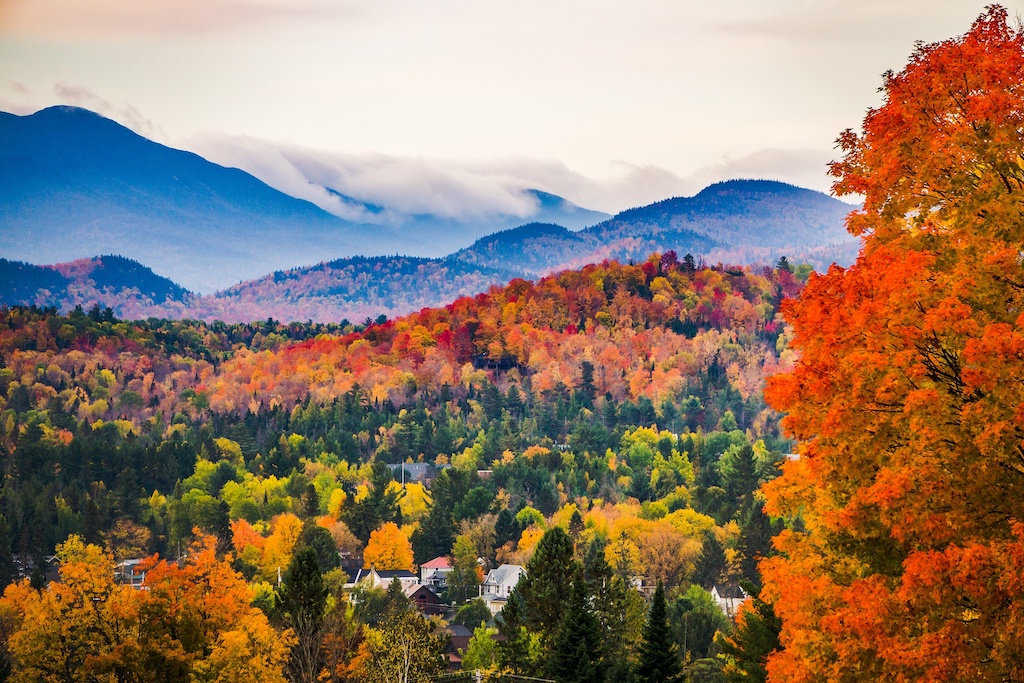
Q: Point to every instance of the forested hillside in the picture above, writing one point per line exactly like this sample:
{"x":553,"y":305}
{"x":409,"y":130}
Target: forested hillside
{"x":618,"y":405}
{"x":739,"y":222}
{"x":352,"y":288}
{"x":126,"y":286}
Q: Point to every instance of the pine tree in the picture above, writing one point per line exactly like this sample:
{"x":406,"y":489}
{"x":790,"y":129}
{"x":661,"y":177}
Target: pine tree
{"x":546,"y":586}
{"x":514,"y":654}
{"x":576,"y":525}
{"x":755,"y":541}
{"x":303,"y":599}
{"x":659,"y":654}
{"x":310,"y":501}
{"x":576,"y":652}
{"x":303,"y":591}
{"x":711,"y":564}
{"x":755,"y":637}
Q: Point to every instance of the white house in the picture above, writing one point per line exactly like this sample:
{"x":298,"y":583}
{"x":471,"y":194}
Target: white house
{"x":435,"y":572}
{"x":728,"y":598}
{"x":499,"y":584}
{"x":382,"y":578}
{"x":130,"y":573}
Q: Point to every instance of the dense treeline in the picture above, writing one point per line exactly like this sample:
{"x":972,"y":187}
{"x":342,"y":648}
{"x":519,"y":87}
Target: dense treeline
{"x":621,"y":403}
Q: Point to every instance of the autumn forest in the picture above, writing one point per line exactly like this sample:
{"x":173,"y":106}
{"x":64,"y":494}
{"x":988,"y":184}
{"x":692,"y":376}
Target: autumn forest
{"x":701,"y":473}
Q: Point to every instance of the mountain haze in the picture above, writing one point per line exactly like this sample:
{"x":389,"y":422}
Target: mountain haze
{"x":737,"y":221}
{"x":75,"y":183}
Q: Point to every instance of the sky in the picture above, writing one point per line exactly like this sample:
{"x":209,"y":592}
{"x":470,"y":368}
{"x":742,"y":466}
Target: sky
{"x":455,"y":106}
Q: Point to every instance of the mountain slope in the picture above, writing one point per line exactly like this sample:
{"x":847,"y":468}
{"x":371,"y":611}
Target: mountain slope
{"x":75,"y":183}
{"x":735,"y":222}
{"x":129,"y":288}
{"x":351,"y":288}
{"x":761,"y":213}
{"x":738,"y":221}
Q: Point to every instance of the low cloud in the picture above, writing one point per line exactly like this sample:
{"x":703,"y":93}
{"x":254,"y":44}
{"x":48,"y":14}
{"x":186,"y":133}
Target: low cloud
{"x":803,"y":167}
{"x":406,"y":186}
{"x":126,"y":115}
{"x":379,"y":188}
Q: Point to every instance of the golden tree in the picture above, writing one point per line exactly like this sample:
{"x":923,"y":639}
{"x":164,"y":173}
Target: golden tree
{"x":388,"y":548}
{"x":193,"y":622}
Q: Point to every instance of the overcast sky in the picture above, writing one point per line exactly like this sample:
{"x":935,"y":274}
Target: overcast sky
{"x":611,"y":104}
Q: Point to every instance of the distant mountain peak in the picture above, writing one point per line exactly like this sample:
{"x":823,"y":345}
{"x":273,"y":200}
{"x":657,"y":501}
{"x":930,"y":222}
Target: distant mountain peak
{"x":76,"y":182}
{"x":523,"y":232}
{"x":753,"y":185}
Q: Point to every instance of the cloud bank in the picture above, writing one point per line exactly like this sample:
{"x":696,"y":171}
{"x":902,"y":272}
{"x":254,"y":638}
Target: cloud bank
{"x":379,"y":188}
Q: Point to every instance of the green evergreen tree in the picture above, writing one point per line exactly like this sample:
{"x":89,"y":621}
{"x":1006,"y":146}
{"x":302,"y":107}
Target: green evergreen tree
{"x":755,"y":636}
{"x":320,"y":540}
{"x":514,"y":651}
{"x":303,"y":598}
{"x":576,"y":525}
{"x":659,"y":655}
{"x":310,"y":502}
{"x":506,"y":528}
{"x":711,"y":564}
{"x":379,"y":506}
{"x":546,"y":586}
{"x":754,"y":542}
{"x":303,"y":592}
{"x":576,"y":655}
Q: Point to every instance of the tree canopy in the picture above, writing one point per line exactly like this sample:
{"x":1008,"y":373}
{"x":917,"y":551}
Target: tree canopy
{"x":910,"y":484}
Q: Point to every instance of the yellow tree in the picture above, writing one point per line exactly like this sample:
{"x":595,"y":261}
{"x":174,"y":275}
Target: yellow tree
{"x":907,"y":396}
{"x":277,"y":549}
{"x":388,"y":548}
{"x":194,"y":622}
{"x":64,"y":633}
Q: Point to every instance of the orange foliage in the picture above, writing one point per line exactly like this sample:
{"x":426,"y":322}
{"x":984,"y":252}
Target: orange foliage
{"x":604,"y":313}
{"x":388,"y":548}
{"x":907,"y":398}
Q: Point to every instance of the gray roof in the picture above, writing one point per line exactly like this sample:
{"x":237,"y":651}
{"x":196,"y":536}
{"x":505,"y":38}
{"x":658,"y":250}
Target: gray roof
{"x":393,"y":573}
{"x":502,"y":573}
{"x":458,"y":630}
{"x":416,"y":471}
{"x":731,"y":591}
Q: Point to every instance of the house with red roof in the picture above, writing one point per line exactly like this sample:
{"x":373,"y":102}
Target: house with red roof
{"x":435,"y":572}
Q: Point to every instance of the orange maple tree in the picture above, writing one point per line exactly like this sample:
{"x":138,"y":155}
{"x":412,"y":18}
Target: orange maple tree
{"x":907,"y":398}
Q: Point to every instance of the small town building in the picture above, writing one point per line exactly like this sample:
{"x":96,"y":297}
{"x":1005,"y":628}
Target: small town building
{"x":458,"y":643}
{"x":499,"y":584}
{"x":728,"y":597}
{"x":416,"y":472}
{"x":382,"y":578}
{"x":130,"y":573}
{"x":424,"y":599}
{"x":435,"y":572}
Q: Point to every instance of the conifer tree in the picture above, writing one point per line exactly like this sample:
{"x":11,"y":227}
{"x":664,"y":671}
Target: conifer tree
{"x":303,"y":591}
{"x":755,"y":541}
{"x":576,"y":655}
{"x":303,"y":599}
{"x":659,"y":654}
{"x":755,"y":637}
{"x":514,"y":655}
{"x":711,"y":563}
{"x":546,"y":586}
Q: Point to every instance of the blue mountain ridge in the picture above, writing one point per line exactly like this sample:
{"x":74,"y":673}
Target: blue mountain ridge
{"x":73,"y":181}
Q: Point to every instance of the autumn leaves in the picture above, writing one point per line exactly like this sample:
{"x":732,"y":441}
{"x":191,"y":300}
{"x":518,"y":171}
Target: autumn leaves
{"x":907,"y":395}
